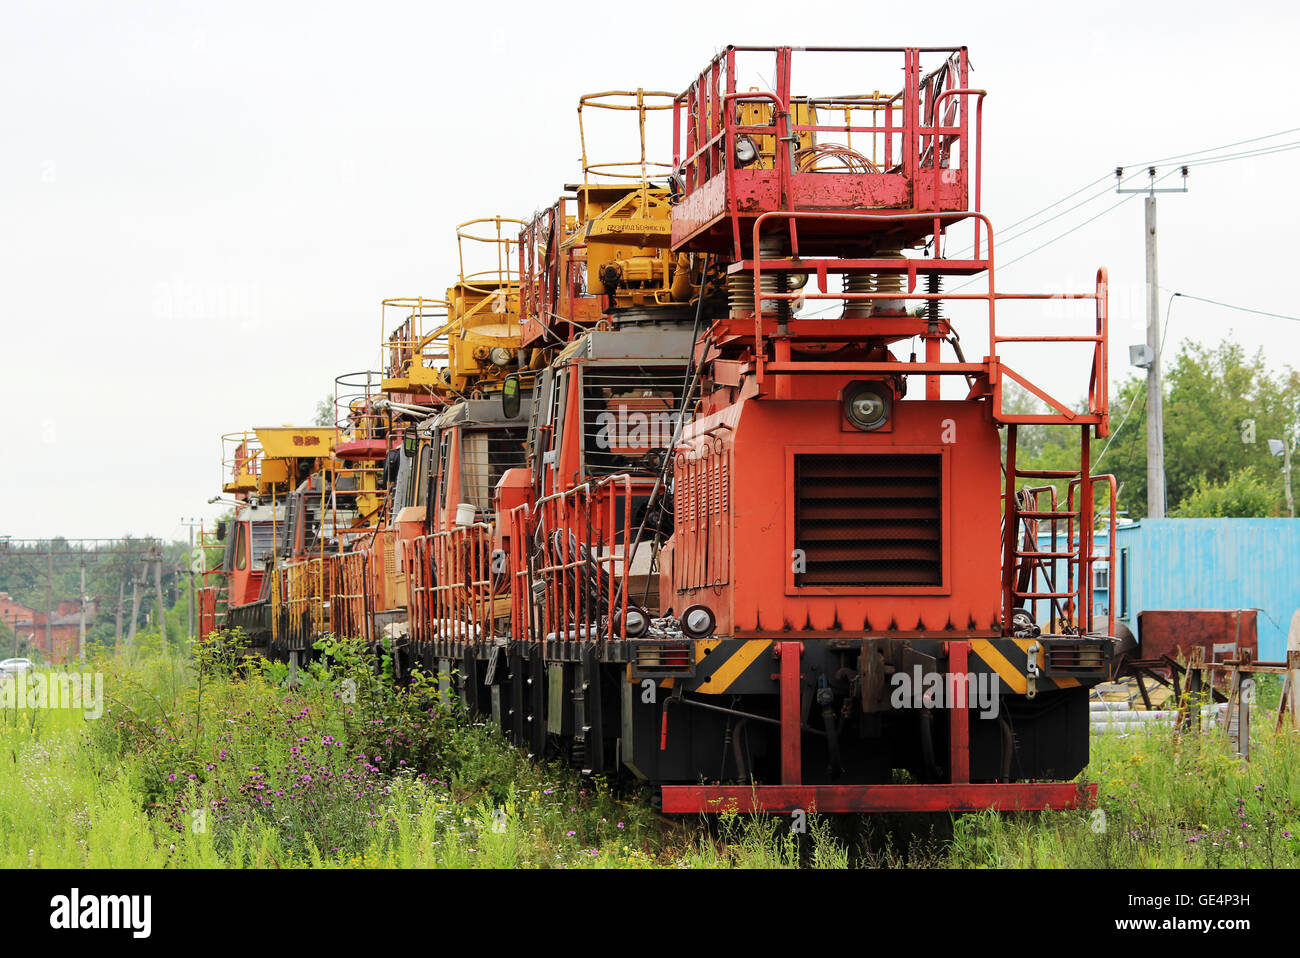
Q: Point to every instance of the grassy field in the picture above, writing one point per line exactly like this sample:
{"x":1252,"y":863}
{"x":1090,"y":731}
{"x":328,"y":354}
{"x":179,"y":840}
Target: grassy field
{"x":189,"y":767}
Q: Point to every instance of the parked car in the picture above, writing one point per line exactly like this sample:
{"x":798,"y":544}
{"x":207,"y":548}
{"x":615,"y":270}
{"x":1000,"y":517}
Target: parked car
{"x":14,"y":666}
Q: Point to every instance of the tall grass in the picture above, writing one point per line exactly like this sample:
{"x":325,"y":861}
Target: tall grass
{"x":213,"y":760}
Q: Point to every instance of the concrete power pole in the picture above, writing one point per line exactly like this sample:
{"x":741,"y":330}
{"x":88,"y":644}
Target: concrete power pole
{"x":135,"y":610}
{"x":190,"y":602}
{"x":1155,"y":393}
{"x":81,"y":624}
{"x":49,"y":596}
{"x":157,"y":585}
{"x":117,"y":627}
{"x":1286,"y":467}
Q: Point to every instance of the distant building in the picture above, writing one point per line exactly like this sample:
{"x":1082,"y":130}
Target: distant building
{"x":57,"y":644}
{"x":1198,"y":564}
{"x":14,"y":613}
{"x":1212,"y":564}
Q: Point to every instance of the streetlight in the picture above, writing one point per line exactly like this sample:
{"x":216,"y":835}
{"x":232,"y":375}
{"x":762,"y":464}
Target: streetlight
{"x":1279,"y":447}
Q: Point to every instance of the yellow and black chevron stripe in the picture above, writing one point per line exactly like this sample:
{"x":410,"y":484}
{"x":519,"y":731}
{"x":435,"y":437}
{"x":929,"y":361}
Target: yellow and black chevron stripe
{"x":734,"y":666}
{"x":1009,"y":660}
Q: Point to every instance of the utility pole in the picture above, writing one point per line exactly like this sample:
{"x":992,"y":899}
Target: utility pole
{"x":135,"y":609}
{"x":1283,"y":447}
{"x":1286,"y":468}
{"x":189,"y":561}
{"x":81,"y":624}
{"x":49,"y":596}
{"x":157,"y":585}
{"x":117,"y":627}
{"x":1155,"y":395}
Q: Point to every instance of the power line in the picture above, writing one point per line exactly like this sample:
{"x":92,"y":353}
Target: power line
{"x":1015,"y":236}
{"x":1242,"y":309}
{"x":1204,"y":161}
{"x":1141,"y":393}
{"x":1163,"y":159}
{"x":1212,"y":149}
{"x":1063,"y":199}
{"x":1250,"y":154}
{"x":1061,"y":236}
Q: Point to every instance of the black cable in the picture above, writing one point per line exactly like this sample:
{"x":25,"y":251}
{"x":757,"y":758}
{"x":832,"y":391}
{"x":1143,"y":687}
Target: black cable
{"x":688,"y":388}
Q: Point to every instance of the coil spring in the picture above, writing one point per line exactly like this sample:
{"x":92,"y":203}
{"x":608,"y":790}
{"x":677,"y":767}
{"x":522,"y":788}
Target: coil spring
{"x":858,"y":283}
{"x":740,"y":287}
{"x":889,"y":283}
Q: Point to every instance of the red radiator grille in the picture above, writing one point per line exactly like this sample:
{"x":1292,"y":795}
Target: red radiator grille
{"x":869,"y":520}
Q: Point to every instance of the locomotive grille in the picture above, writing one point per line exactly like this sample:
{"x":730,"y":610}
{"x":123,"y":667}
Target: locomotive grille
{"x":629,"y":413}
{"x":869,"y":520}
{"x":485,"y":456}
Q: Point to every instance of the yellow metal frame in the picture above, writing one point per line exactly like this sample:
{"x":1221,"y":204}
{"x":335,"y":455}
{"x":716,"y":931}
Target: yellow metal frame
{"x":507,"y":273}
{"x":613,"y":100}
{"x":626,"y":224}
{"x":241,"y":462}
{"x":414,"y":354}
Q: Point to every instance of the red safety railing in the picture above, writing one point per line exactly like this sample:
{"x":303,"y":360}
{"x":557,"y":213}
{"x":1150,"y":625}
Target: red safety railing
{"x":206,"y":598}
{"x":419,"y":589}
{"x":459,"y":589}
{"x":913,"y":136}
{"x":1086,"y":559}
{"x":576,"y":544}
{"x":553,"y":285}
{"x":768,"y":326}
{"x":300,"y":601}
{"x":349,"y":594}
{"x":522,"y":606}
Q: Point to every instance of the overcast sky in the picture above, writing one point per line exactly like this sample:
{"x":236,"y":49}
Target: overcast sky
{"x":203,"y":204}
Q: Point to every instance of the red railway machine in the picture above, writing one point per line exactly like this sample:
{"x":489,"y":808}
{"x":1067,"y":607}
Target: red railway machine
{"x":862,"y":619}
{"x":261,"y":470}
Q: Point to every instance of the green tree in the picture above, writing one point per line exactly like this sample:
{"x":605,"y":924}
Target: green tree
{"x":324,"y":412}
{"x":1242,"y":494}
{"x":1220,"y":408}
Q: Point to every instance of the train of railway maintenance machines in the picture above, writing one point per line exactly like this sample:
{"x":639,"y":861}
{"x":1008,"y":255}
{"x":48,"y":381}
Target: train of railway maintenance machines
{"x":688,"y":476}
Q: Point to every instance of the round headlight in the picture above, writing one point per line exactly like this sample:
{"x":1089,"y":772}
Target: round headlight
{"x":868,"y":408}
{"x":746,"y":151}
{"x":698,"y":622}
{"x":636,"y":623}
{"x":501,"y":356}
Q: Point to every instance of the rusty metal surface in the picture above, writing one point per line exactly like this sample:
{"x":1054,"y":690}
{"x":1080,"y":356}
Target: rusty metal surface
{"x":1220,"y":633}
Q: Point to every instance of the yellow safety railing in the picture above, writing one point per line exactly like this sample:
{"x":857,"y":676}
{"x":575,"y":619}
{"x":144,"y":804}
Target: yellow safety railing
{"x":241,"y":456}
{"x":506,"y":246}
{"x":414,"y":337}
{"x":642,"y":102}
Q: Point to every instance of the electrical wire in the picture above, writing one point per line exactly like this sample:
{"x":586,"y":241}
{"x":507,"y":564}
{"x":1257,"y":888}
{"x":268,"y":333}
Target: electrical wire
{"x":1242,"y":309}
{"x":1204,"y":161}
{"x":1142,"y":393}
{"x":1213,"y":149}
{"x":1015,"y":236}
{"x":1212,"y":160}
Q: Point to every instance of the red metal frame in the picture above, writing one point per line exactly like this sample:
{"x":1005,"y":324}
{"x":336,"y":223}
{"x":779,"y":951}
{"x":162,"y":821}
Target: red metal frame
{"x":587,"y":518}
{"x":1004,"y":797}
{"x":716,"y":188}
{"x":764,"y":326}
{"x":958,"y":795}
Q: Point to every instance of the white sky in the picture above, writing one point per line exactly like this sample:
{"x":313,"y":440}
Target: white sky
{"x":203,"y":204}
